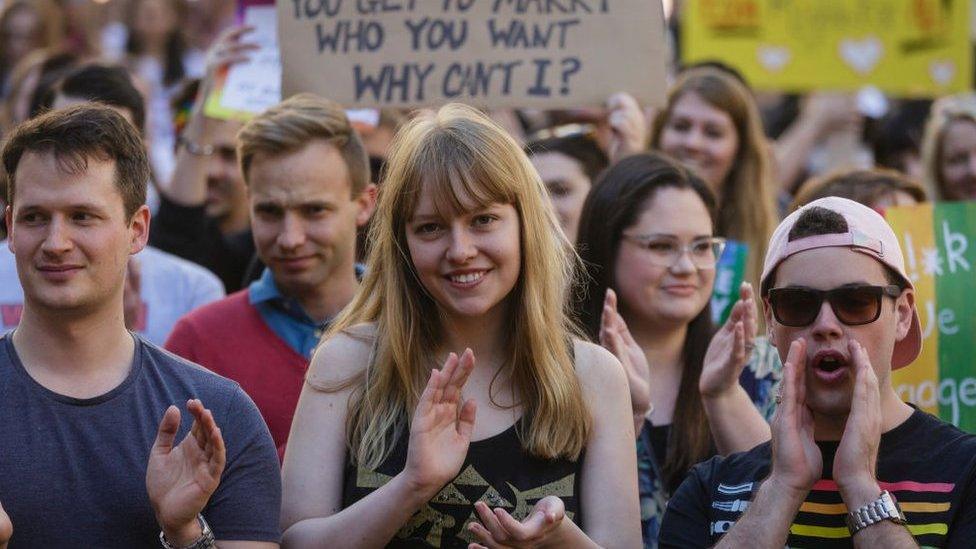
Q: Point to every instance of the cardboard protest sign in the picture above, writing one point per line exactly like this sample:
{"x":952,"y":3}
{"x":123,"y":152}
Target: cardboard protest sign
{"x":729,"y":274}
{"x":942,"y":264}
{"x":904,"y":47}
{"x":490,"y":53}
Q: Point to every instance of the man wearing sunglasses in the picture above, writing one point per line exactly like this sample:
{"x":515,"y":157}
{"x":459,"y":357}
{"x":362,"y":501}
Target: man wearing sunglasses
{"x":849,"y":463}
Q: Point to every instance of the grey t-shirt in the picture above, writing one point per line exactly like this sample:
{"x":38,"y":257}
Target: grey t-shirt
{"x":73,"y":471}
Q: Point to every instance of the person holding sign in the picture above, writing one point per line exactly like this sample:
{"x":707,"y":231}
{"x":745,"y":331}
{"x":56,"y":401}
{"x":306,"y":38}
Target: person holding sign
{"x":470,"y":270}
{"x":949,"y":148}
{"x":711,"y":124}
{"x":849,"y":463}
{"x":646,"y":236}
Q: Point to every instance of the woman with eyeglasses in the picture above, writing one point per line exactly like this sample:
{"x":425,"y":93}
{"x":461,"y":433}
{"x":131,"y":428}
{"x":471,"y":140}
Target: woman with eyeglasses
{"x":647,"y":238}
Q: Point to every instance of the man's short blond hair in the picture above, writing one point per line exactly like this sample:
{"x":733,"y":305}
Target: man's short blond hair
{"x":293,"y":124}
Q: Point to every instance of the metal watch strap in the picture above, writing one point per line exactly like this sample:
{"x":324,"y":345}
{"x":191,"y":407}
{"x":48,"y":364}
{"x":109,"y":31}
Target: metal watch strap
{"x":205,"y":541}
{"x":883,"y":508}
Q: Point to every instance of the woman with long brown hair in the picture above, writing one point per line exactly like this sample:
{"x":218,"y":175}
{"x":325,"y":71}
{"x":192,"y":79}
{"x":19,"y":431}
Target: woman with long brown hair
{"x":466,"y":260}
{"x":647,"y":238}
{"x":712,"y":125}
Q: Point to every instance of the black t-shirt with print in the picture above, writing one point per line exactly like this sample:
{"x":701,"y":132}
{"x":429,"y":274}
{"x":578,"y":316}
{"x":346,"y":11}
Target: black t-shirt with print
{"x":929,"y":466}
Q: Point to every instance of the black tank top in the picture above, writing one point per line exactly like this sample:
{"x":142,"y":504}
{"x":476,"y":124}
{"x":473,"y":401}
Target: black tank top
{"x":496,"y":470}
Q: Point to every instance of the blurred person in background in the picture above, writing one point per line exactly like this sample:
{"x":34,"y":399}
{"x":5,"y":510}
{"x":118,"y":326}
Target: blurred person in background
{"x":826,"y":131}
{"x":158,"y":55}
{"x":203,"y":213}
{"x":620,"y":127}
{"x":30,"y":79}
{"x":567,"y":164}
{"x":712,"y":125}
{"x":26,"y":26}
{"x":647,"y":239}
{"x":878,"y":189}
{"x":896,"y":138}
{"x":949,"y":148}
{"x":377,"y":140}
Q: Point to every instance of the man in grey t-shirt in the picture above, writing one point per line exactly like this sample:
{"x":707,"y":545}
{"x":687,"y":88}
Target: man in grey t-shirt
{"x":95,"y":451}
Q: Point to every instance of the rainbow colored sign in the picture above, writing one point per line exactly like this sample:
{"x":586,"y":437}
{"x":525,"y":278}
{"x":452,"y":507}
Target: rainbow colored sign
{"x":941,"y":262}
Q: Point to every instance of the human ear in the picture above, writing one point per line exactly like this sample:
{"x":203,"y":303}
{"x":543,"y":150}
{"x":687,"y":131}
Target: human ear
{"x":367,"y":204}
{"x":768,"y":318}
{"x":904,"y":308}
{"x":139,"y":229}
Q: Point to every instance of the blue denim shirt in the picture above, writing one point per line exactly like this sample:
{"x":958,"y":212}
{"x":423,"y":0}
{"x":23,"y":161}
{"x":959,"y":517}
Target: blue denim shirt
{"x":285,"y":316}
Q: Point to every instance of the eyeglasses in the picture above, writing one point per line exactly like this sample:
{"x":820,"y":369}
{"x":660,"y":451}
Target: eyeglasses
{"x":665,"y":251}
{"x":853,"y":305}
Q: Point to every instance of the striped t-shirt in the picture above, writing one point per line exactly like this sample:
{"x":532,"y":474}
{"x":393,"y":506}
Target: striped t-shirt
{"x":929,"y":466}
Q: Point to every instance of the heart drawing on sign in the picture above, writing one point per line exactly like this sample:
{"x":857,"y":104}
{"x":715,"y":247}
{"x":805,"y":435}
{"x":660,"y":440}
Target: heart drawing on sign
{"x":862,"y":55}
{"x":942,"y":72}
{"x":773,"y":58}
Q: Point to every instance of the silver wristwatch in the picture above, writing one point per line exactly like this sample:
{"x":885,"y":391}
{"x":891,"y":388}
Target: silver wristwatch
{"x":883,"y":508}
{"x":205,"y":541}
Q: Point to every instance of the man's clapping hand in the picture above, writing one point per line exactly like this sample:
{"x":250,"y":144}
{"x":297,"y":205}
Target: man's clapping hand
{"x":6,"y":528}
{"x":181,"y":478}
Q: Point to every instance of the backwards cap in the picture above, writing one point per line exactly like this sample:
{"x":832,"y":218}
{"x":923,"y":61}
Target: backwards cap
{"x":867,"y":233}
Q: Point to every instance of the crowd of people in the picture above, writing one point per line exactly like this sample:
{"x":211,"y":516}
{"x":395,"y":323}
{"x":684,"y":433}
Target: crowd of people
{"x":454,"y":327}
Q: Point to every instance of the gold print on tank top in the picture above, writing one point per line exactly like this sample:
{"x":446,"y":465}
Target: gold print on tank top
{"x":469,"y":482}
{"x":562,"y":488}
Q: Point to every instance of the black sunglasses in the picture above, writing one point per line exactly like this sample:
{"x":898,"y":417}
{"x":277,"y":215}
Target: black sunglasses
{"x":852,"y":305}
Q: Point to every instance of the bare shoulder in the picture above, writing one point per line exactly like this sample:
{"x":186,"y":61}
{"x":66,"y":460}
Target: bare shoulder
{"x":599,"y":372}
{"x":343,"y":356}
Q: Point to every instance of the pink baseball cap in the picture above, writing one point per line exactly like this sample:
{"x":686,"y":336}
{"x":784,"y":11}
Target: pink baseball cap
{"x":867,"y":233}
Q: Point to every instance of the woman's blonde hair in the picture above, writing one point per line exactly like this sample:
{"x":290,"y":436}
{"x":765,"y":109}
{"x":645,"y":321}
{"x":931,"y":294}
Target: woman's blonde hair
{"x":459,"y":156}
{"x":746,"y":199}
{"x":944,"y":112}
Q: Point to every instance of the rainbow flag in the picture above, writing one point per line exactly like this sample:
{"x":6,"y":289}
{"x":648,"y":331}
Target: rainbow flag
{"x":941,"y":262}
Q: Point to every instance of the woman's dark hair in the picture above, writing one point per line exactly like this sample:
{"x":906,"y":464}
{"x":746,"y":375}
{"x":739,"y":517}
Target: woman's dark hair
{"x":108,"y":84}
{"x":173,"y":69}
{"x":615,"y":202}
{"x":582,"y":148}
{"x":54,"y":68}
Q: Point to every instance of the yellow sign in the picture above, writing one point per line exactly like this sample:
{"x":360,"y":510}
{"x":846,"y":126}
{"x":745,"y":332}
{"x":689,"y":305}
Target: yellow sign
{"x":912,"y":48}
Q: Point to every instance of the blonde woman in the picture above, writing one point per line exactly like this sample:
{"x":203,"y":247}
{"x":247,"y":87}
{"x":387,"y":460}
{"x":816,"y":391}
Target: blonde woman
{"x":949,"y":148}
{"x":467,"y":269}
{"x":712,"y":125}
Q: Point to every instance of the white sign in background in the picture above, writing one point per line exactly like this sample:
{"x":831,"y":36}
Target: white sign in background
{"x":256,"y":85}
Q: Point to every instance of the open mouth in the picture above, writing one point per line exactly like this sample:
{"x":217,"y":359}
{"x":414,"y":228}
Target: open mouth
{"x":830,"y":365}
